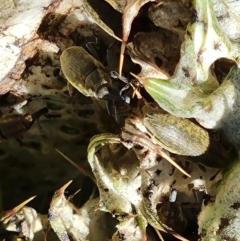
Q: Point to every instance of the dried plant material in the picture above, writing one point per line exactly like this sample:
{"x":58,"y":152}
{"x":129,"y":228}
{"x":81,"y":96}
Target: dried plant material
{"x":228,"y":18}
{"x":6,"y":216}
{"x":193,"y":88}
{"x":100,"y":12}
{"x":17,"y":46}
{"x":26,"y":221}
{"x":101,"y":224}
{"x":171,"y":15}
{"x":135,"y":186}
{"x":131,"y":228}
{"x":81,"y":170}
{"x":219,"y":219}
{"x":159,"y":48}
{"x":63,"y":219}
{"x":85,"y":223}
{"x":117,"y":5}
{"x":113,"y":177}
{"x":130,"y":12}
{"x":133,"y":131}
{"x":148,"y":68}
{"x":115,"y":169}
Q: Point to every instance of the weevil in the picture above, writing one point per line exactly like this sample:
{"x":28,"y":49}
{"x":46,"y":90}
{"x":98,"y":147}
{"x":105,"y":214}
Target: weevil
{"x":13,"y":125}
{"x":171,"y":213}
{"x":158,"y":132}
{"x":88,"y":75}
{"x":185,"y":138}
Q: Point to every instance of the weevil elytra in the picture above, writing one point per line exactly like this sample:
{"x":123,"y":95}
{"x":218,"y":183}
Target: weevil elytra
{"x":177,"y":135}
{"x":15,"y":124}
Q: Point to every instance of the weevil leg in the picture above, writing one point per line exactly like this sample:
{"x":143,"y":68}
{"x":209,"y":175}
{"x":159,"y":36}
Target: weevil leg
{"x":91,"y":49}
{"x":114,"y":96}
{"x":131,"y":83}
{"x":124,"y":88}
{"x":115,"y":75}
{"x":112,"y":58}
{"x":112,"y":109}
{"x":198,"y":196}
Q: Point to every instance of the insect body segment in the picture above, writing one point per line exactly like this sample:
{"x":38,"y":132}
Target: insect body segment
{"x":15,"y":124}
{"x":177,"y":135}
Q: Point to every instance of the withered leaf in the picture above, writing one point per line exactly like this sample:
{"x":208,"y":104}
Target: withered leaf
{"x":130,"y":12}
{"x":118,"y":5}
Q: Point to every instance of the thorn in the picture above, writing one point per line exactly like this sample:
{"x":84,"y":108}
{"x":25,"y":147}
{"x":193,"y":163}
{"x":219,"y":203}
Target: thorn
{"x":121,"y":59}
{"x":178,"y":236}
{"x":158,"y":4}
{"x":63,"y":188}
{"x":73,"y":195}
{"x":168,"y":158}
{"x":72,"y":162}
{"x":135,"y":76}
{"x":136,"y":92}
{"x":159,"y":234}
{"x":8,"y":214}
{"x":136,"y":89}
